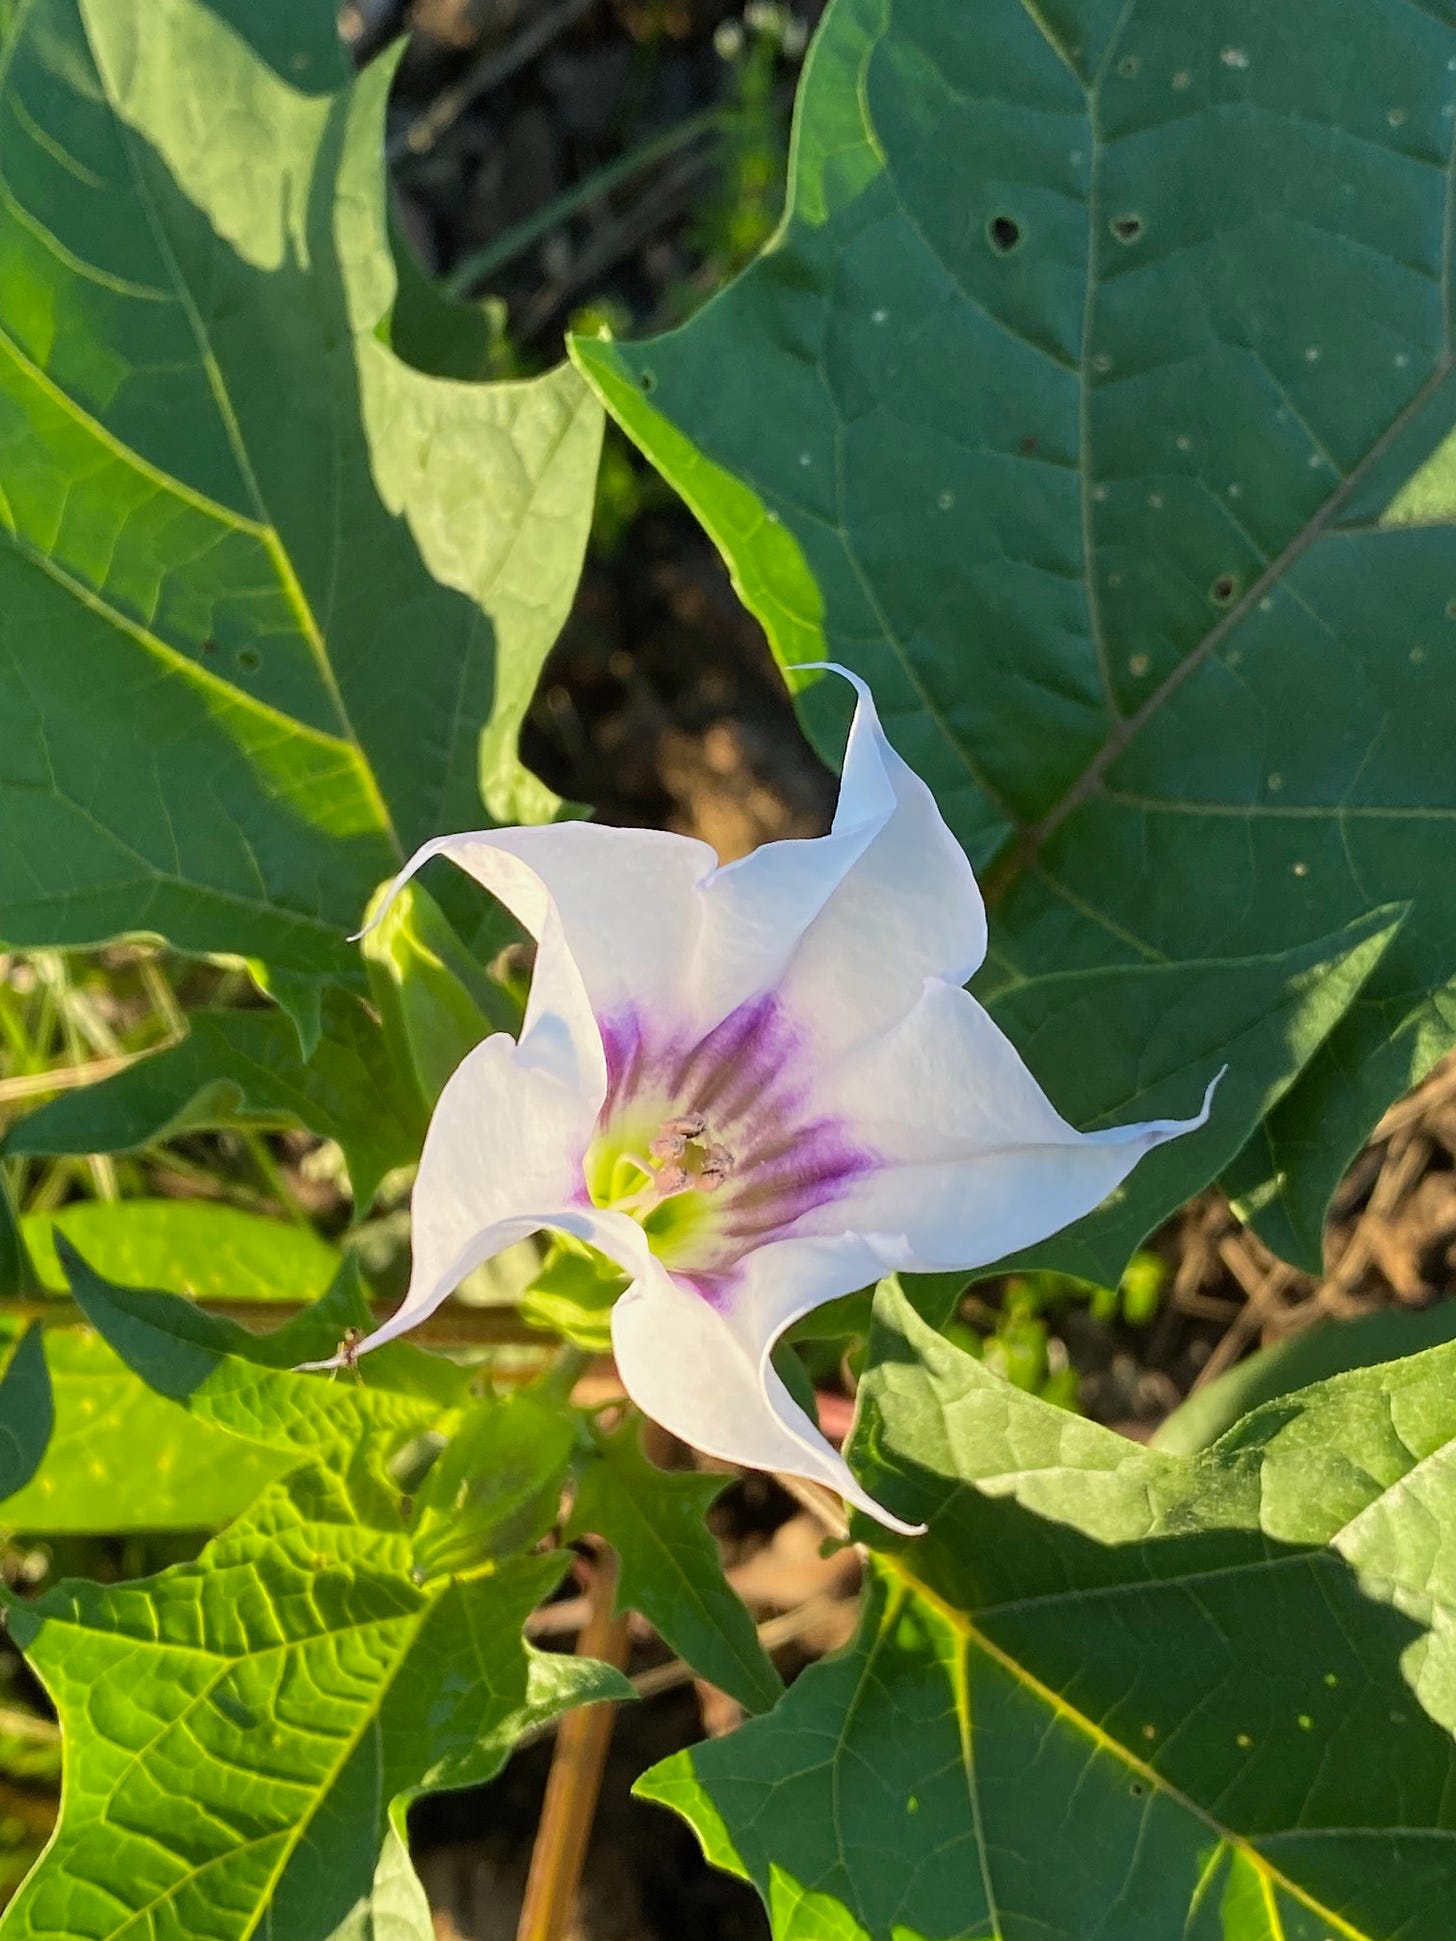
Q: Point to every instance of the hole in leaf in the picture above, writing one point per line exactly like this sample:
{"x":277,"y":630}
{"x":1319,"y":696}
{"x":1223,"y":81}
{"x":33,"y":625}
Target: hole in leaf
{"x":1004,"y":234}
{"x":1223,"y":590}
{"x":1127,"y":229}
{"x":209,"y":646}
{"x":648,"y":380}
{"x":1128,"y":66}
{"x":249,"y":659}
{"x":1137,"y":1789}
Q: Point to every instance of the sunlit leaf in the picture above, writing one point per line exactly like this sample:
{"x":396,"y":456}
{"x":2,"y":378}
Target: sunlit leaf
{"x":1117,"y":1692}
{"x":195,"y":1247}
{"x":274,"y":602}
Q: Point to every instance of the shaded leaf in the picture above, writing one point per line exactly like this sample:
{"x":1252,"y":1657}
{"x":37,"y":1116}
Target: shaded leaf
{"x":1181,"y":1666}
{"x":670,"y":1567}
{"x":242,"y":1068}
{"x":15,"y":1270}
{"x":1123,"y":474}
{"x":314,"y":623}
{"x":26,"y":1413}
{"x":1163,"y":1031}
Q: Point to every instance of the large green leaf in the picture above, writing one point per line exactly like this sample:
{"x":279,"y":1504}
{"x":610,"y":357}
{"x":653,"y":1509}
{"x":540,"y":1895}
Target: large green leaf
{"x":170,"y":1418}
{"x":273,"y":602}
{"x":239,"y":1729}
{"x":1092,"y":403}
{"x":1114,"y":1692}
{"x":195,"y":1247}
{"x":1141,"y":1041}
{"x":122,"y":1458}
{"x":242,"y":1068}
{"x":670,"y":1567}
{"x":244,"y":1733}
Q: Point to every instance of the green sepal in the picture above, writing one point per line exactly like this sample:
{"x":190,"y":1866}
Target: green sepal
{"x":574,"y":1293}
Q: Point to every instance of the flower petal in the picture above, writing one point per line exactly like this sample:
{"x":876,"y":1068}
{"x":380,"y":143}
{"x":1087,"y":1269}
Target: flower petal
{"x":627,"y":899}
{"x":659,"y":932}
{"x":502,"y":1157}
{"x":705,"y":1374}
{"x":869,"y":911}
{"x":976,"y":1162}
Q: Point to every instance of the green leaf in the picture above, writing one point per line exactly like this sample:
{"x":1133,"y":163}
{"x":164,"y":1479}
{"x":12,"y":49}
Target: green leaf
{"x":670,"y":1568}
{"x":434,"y":1001}
{"x":574,"y":1293}
{"x":1122,"y":472}
{"x":242,"y":1068}
{"x":396,"y":1908}
{"x":1313,"y":1355}
{"x":496,"y":1488}
{"x":26,"y":1414}
{"x":251,"y":1385}
{"x":1114,"y":1692}
{"x":168,"y":1418}
{"x":242,"y":1733}
{"x":123,"y":1459}
{"x":15,"y":1270}
{"x":195,"y":1247}
{"x":305,"y":588}
{"x":1163,"y":1031}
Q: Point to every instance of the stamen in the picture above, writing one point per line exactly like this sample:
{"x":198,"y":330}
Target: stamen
{"x":717,"y":1165}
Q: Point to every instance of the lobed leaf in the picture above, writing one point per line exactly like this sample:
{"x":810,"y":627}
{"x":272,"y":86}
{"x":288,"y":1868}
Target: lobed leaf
{"x":305,"y":588}
{"x":243,"y":1732}
{"x":1095,"y":402}
{"x":670,"y":1567}
{"x":1184,"y":1668}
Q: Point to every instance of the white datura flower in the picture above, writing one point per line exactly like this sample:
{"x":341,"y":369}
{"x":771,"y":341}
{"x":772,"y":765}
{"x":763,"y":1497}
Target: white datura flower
{"x":755,"y":1087}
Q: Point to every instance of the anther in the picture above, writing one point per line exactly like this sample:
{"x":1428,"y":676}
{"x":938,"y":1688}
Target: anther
{"x":717,"y":1165}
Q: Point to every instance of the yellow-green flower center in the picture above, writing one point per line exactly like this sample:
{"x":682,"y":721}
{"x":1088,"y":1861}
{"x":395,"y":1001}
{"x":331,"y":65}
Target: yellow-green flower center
{"x":662,"y":1171}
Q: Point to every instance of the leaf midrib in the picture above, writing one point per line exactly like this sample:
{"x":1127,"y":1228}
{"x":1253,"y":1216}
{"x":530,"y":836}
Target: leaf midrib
{"x":292,"y":1836}
{"x":973,"y":1638}
{"x":1025,"y":849}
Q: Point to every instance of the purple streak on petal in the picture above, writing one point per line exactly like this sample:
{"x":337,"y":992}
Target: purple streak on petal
{"x":751,"y":1079}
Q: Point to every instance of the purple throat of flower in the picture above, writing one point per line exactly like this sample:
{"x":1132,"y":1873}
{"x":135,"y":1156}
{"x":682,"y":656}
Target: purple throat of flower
{"x":712,"y":1142}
